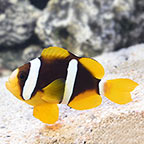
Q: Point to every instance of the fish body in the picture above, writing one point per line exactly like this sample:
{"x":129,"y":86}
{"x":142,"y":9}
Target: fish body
{"x":60,"y":77}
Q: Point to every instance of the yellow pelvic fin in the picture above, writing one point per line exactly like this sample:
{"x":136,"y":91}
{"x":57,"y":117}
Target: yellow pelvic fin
{"x":86,"y":100}
{"x":93,"y":66}
{"x":118,"y":90}
{"x":54,"y":53}
{"x":53,"y":93}
{"x":47,"y":113}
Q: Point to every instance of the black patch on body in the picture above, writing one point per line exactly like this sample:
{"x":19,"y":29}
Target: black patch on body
{"x":51,"y":70}
{"x":84,"y":81}
{"x":23,"y":75}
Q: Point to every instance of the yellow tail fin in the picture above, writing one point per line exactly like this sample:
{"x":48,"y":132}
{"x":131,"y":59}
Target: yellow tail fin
{"x":118,"y":90}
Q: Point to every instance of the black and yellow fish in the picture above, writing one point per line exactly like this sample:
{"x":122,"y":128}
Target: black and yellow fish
{"x":59,"y":77}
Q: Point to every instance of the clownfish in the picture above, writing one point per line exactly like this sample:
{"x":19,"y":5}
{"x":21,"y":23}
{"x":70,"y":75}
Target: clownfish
{"x":60,"y":77}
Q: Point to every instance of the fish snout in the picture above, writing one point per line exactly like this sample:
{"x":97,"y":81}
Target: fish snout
{"x":13,"y":76}
{"x":13,"y":85}
{"x":12,"y":80}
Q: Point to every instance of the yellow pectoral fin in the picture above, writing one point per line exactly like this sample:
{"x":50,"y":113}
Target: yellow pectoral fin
{"x":118,"y":90}
{"x":53,"y":93}
{"x":87,"y":100}
{"x":54,"y":53}
{"x":93,"y":66}
{"x":47,"y":113}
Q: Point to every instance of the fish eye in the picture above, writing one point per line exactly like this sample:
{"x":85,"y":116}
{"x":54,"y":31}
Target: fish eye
{"x":22,"y":76}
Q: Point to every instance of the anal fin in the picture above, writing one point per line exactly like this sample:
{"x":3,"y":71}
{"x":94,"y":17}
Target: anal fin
{"x":86,"y":100}
{"x":47,"y":113}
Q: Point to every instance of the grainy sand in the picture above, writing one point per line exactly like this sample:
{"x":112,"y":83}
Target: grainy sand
{"x":107,"y":124}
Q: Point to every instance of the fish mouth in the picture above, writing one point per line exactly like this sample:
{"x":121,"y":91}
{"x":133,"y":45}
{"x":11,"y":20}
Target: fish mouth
{"x":12,"y":80}
{"x":7,"y":84}
{"x":12,"y":84}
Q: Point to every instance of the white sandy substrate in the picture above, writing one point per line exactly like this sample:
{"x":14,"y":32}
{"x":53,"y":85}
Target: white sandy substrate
{"x":107,"y":124}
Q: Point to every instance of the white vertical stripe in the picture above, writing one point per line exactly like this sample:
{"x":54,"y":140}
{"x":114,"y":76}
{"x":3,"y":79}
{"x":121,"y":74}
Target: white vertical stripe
{"x":70,"y":80}
{"x":32,"y":79}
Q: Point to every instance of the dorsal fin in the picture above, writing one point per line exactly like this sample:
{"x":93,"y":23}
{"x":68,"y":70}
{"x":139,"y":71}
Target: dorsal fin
{"x":54,"y":53}
{"x":95,"y":68}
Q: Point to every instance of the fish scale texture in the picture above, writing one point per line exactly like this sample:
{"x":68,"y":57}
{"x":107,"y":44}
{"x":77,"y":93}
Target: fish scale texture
{"x":107,"y":124}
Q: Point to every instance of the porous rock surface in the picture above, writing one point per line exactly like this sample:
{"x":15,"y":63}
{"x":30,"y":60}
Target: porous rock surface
{"x":107,"y":124}
{"x":17,"y":22}
{"x":91,"y":26}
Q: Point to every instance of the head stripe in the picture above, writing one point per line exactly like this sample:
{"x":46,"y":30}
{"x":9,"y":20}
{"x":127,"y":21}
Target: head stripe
{"x":70,"y":80}
{"x":31,"y":81}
